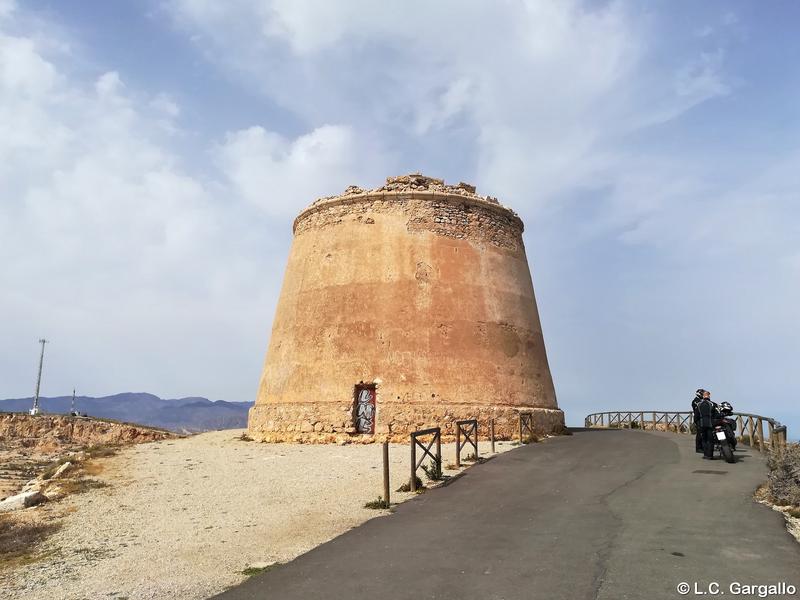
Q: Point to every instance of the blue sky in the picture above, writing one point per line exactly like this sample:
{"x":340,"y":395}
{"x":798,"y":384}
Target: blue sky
{"x":155,"y":153}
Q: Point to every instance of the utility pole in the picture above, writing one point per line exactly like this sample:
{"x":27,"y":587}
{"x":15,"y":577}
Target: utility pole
{"x":35,"y":409}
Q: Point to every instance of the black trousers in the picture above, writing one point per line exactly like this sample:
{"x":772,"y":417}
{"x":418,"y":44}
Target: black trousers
{"x":698,"y":438}
{"x":708,"y":442}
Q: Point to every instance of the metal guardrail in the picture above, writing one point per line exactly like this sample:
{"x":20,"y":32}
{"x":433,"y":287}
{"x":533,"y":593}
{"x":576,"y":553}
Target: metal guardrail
{"x":749,"y":427}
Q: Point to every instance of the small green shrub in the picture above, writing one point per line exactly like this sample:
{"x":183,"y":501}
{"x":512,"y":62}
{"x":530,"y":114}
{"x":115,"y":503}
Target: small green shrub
{"x":434,"y":470}
{"x":635,"y":425}
{"x":250,"y":571}
{"x":377,"y":504}
{"x":407,"y":488}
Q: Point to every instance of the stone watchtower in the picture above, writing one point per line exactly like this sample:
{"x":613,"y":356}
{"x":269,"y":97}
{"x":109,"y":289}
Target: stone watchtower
{"x":404,"y":307}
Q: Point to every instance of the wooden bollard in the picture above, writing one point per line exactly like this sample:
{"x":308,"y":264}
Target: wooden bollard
{"x":412,"y":484}
{"x":491,"y":433}
{"x":458,"y":446}
{"x":386,"y":473}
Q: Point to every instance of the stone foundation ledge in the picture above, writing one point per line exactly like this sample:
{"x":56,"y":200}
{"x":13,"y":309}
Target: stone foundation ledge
{"x":328,"y":423}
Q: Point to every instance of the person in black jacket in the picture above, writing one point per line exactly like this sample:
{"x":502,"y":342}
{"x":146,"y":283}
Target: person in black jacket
{"x":698,"y":436}
{"x":707,"y":411}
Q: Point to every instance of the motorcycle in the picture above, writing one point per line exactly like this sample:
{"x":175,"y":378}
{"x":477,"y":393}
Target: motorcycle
{"x":721,"y":442}
{"x":725,"y":432}
{"x":725,"y":414}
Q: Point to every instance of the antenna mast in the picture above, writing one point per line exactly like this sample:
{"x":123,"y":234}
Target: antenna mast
{"x":72,"y":405}
{"x":35,"y":409}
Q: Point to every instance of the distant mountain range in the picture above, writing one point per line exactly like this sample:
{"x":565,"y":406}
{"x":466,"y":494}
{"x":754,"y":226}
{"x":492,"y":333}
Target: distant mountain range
{"x":185,"y":415}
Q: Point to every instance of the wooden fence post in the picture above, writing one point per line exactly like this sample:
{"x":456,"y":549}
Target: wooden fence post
{"x":458,"y":446}
{"x":412,"y":484}
{"x":386,"y":473}
{"x":491,"y":433}
{"x":751,"y":432}
{"x":760,"y":427}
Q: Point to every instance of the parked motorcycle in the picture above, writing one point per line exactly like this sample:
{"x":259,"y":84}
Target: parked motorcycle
{"x":725,"y":432}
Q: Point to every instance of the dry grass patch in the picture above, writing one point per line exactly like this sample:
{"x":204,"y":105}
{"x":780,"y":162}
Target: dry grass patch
{"x":20,"y":540}
{"x":102,"y":450}
{"x":80,"y":485}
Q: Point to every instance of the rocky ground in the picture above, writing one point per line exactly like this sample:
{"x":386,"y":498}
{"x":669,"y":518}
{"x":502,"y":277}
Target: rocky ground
{"x":188,"y":518}
{"x":17,"y":467}
{"x":29,"y":443}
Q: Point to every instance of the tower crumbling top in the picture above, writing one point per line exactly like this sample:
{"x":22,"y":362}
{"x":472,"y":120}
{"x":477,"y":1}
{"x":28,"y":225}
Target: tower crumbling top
{"x":414,"y":182}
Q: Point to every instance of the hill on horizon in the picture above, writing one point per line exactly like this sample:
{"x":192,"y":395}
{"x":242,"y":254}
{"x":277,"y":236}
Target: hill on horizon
{"x":184,"y":415}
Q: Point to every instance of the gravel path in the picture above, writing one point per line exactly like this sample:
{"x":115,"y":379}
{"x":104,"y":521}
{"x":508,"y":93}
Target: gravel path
{"x":184,"y":518}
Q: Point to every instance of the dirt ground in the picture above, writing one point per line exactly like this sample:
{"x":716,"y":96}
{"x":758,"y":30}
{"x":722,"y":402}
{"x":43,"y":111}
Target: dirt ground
{"x":184,"y":518}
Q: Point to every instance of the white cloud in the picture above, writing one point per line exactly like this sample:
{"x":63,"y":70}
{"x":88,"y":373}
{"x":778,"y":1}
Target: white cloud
{"x":7,"y":7}
{"x":22,"y":70}
{"x":281,"y":176}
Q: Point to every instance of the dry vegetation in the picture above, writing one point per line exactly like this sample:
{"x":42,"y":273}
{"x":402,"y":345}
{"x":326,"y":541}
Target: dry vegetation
{"x":782,"y":490}
{"x":20,"y":539}
{"x":22,"y":533}
{"x":783,"y":483}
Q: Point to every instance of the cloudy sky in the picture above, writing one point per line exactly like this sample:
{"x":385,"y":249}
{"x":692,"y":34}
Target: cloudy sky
{"x":154,"y":153}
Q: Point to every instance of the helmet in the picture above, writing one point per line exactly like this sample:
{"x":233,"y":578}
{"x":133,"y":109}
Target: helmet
{"x":699,"y":393}
{"x":725,"y":408}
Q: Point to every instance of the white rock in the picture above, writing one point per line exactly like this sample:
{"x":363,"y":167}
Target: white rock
{"x":34,"y":485}
{"x":23,"y":500}
{"x":54,"y":492}
{"x":60,"y":471}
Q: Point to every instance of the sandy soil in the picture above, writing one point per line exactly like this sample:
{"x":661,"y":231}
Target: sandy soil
{"x":184,"y":518}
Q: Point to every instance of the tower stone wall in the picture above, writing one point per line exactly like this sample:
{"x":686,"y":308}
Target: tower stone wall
{"x":420,"y":290}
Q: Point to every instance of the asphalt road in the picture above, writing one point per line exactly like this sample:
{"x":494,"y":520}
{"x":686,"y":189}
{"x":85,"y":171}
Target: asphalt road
{"x":601,"y":514}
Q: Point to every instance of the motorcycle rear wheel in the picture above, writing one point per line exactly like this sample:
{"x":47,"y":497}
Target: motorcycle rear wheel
{"x":727,"y":453}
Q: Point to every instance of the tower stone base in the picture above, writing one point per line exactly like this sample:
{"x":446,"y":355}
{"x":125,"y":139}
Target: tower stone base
{"x":325,"y":422}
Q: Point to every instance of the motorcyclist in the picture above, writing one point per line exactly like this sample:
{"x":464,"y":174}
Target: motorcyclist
{"x":698,"y":437}
{"x":708,"y":414}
